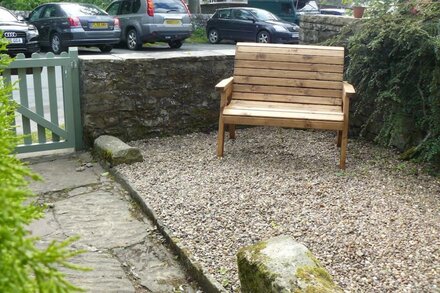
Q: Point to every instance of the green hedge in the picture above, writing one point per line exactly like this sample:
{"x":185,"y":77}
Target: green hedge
{"x":394,"y":63}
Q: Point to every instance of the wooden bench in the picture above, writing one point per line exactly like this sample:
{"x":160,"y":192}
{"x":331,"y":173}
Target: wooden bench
{"x":289,"y":86}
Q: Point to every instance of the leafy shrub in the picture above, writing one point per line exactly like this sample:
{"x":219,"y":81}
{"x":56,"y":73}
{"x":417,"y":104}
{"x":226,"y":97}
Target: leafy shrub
{"x":394,"y":61}
{"x":23,"y":267}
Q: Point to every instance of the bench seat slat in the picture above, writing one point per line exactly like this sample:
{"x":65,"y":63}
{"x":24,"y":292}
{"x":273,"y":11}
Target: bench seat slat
{"x":265,"y":89}
{"x":290,"y":58}
{"x":300,"y":75}
{"x":283,"y":122}
{"x":268,"y":110}
{"x":287,"y":98}
{"x":302,"y":83}
{"x":285,"y":106}
{"x":289,"y":66}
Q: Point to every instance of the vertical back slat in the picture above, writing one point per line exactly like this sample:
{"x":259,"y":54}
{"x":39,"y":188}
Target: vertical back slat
{"x":24,"y":101}
{"x":38,"y":91}
{"x":53,"y":103}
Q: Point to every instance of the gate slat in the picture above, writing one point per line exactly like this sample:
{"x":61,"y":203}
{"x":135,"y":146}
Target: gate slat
{"x":53,"y":102}
{"x":38,"y":91}
{"x":40,"y":120}
{"x":24,"y":100}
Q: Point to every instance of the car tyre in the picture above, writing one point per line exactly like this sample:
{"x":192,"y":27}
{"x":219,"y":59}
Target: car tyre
{"x":213,"y":36}
{"x":133,"y":40}
{"x":56,"y":44}
{"x":105,"y":48}
{"x":263,"y":37}
{"x":176,"y":44}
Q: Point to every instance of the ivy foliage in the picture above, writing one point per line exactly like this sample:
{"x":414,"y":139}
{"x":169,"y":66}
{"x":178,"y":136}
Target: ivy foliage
{"x":394,"y":64}
{"x":23,"y":267}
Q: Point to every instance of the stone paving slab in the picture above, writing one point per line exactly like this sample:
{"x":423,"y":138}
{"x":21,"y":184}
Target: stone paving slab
{"x":122,"y":246}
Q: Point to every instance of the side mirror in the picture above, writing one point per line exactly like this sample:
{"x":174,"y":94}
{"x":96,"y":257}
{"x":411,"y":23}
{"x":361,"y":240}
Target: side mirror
{"x":251,"y":19}
{"x":21,"y":18}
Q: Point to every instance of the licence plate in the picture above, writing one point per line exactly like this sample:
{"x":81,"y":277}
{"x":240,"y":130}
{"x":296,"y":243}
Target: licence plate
{"x":295,"y":35}
{"x":98,"y":25}
{"x":173,"y":21}
{"x":15,"y":40}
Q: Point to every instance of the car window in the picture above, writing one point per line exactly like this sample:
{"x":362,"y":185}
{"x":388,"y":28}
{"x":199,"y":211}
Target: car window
{"x":7,"y":16}
{"x":35,"y":15}
{"x":51,"y":11}
{"x":73,"y":9}
{"x":241,"y":14}
{"x":126,"y":7}
{"x":114,"y":8}
{"x":224,"y":13}
{"x":136,"y":6}
{"x":264,"y":15}
{"x":169,"y":6}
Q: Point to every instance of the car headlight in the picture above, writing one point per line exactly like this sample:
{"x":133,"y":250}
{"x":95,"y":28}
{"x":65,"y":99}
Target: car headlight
{"x":32,"y":32}
{"x":279,"y":28}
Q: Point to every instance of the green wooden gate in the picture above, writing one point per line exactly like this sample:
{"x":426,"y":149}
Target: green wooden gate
{"x":47,"y":90}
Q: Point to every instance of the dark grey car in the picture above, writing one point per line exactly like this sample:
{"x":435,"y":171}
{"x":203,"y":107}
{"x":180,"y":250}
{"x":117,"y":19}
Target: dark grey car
{"x":22,"y":37}
{"x":66,"y":24}
{"x":149,"y":21}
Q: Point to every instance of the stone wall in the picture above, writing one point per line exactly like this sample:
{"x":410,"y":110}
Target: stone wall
{"x":139,"y":98}
{"x":317,"y":28}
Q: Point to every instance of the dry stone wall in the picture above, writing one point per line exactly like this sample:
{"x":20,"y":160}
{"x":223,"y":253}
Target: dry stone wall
{"x":319,"y":28}
{"x":139,"y":98}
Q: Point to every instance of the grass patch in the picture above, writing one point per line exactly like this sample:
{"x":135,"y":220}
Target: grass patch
{"x":198,"y":36}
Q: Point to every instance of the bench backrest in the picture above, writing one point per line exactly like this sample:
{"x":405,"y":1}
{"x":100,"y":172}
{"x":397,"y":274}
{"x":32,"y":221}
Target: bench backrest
{"x":288,"y":73}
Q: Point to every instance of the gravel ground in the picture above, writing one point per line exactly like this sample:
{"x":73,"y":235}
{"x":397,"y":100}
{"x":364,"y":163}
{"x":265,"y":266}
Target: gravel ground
{"x":375,"y":227}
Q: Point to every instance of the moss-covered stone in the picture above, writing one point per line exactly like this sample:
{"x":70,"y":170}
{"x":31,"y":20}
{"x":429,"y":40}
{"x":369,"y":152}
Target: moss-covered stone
{"x":282,"y":265}
{"x":115,"y":151}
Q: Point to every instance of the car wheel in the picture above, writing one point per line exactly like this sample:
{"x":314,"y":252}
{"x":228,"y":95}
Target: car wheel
{"x":263,"y":37}
{"x":56,"y":44}
{"x":133,"y":40}
{"x":105,"y":48}
{"x":213,"y":36}
{"x":175,"y":44}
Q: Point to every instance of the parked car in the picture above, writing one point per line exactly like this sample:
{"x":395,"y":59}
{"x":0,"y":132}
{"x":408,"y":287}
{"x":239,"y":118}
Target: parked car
{"x":65,"y":24}
{"x":149,"y":21}
{"x":250,"y":24}
{"x":333,"y":11}
{"x":22,"y":37}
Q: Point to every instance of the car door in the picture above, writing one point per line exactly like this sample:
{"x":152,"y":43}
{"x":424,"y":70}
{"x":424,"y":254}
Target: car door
{"x":243,"y":27}
{"x":35,"y":19}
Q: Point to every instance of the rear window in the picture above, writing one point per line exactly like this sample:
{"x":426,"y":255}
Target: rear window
{"x":226,"y":13}
{"x":81,"y":9}
{"x":169,"y":6}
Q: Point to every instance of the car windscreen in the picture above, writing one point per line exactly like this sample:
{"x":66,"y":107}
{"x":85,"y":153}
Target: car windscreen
{"x":6,"y":16}
{"x":169,"y":6}
{"x":263,"y":15}
{"x":81,"y":10}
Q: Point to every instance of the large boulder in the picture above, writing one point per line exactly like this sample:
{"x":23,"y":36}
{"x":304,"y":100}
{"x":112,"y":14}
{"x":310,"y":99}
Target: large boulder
{"x":282,"y":265}
{"x":114,"y":151}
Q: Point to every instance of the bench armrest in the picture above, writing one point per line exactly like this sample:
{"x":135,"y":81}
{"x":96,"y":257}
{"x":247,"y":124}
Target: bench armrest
{"x":225,"y":89}
{"x":224,"y":84}
{"x":348,"y":89}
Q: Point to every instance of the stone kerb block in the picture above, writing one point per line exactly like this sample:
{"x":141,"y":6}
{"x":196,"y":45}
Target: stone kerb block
{"x":281,"y":264}
{"x":115,"y":151}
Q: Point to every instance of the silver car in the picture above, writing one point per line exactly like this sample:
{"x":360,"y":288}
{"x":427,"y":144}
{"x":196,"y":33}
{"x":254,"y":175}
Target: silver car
{"x":149,"y":21}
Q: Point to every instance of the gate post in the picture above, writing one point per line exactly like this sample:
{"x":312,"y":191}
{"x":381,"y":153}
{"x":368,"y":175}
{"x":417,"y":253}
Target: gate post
{"x":79,"y":144}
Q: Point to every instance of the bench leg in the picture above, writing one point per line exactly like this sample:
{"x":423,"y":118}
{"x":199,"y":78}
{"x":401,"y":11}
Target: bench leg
{"x":220,"y":137}
{"x":344,"y":142}
{"x":339,"y":138}
{"x":231,"y":129}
